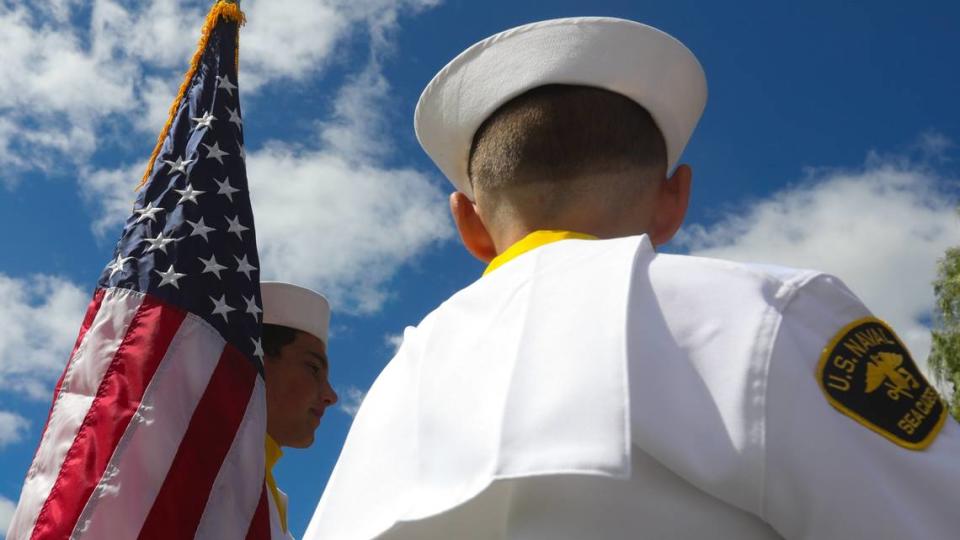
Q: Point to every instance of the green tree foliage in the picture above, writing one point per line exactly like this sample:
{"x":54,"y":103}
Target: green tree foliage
{"x":945,"y":354}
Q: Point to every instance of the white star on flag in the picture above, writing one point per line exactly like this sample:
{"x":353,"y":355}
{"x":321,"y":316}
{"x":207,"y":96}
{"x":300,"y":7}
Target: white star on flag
{"x":226,"y":188}
{"x":205,"y":121}
{"x":244,"y":266}
{"x":212,"y":266}
{"x":170,"y":277}
{"x":158,"y":243}
{"x":257,"y":348}
{"x":252,"y":307}
{"x":179,"y":166}
{"x":200,"y":229}
{"x":189,"y":194}
{"x":235,"y":118}
{"x":225,"y":84}
{"x":236,"y":227}
{"x":214,"y":152}
{"x":148,"y":213}
{"x":220,"y":307}
{"x":117,"y":265}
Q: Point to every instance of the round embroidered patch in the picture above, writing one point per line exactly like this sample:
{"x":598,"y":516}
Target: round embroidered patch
{"x":867,"y":374}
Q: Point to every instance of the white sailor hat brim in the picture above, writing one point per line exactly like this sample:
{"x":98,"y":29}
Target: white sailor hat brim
{"x":635,"y":60}
{"x":296,"y":307}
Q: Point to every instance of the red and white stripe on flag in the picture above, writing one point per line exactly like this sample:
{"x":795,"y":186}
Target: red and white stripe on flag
{"x":156,"y":431}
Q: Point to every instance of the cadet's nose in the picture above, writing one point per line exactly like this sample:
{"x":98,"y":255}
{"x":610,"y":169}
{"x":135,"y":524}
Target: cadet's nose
{"x":330,"y":395}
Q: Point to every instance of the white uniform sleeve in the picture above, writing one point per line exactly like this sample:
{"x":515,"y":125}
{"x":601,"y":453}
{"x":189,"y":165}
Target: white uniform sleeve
{"x":828,"y":476}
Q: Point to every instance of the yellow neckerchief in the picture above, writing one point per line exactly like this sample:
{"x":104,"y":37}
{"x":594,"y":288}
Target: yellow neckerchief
{"x":533,"y":241}
{"x":273,"y":456}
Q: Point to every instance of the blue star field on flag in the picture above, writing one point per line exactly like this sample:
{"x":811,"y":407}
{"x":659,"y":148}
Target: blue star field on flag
{"x":190,"y":240}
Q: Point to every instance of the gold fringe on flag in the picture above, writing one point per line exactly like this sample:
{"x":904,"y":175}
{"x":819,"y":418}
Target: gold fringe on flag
{"x":229,"y":10}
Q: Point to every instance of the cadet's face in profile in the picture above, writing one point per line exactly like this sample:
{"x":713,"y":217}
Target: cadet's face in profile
{"x":298,"y":391}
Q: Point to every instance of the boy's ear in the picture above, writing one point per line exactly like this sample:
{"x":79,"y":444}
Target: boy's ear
{"x":474,"y":234}
{"x":673,"y":197}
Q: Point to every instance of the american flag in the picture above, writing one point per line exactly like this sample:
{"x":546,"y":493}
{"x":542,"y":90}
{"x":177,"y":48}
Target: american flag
{"x":157,"y":424}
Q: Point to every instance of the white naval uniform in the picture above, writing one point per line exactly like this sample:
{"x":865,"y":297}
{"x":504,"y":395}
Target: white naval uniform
{"x":596,"y":390}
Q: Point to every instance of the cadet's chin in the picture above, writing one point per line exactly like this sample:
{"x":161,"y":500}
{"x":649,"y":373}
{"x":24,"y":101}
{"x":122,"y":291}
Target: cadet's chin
{"x":304,"y":442}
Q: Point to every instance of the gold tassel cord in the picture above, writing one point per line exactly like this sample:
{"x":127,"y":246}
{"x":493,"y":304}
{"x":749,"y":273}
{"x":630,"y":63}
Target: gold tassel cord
{"x":229,"y":11}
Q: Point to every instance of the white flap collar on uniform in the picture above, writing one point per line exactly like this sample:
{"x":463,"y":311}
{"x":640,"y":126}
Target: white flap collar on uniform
{"x":522,"y":373}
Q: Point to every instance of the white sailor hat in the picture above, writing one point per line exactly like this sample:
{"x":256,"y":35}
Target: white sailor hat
{"x":626,"y":57}
{"x":296,"y":307}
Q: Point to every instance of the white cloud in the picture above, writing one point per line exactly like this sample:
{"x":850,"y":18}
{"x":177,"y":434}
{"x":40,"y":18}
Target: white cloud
{"x":350,"y":400}
{"x":122,"y":64}
{"x":157,"y":33}
{"x":46,"y":60}
{"x":332,"y":216}
{"x":7,"y":508}
{"x":357,"y":122}
{"x":39,"y":320}
{"x":338,"y":225}
{"x":393,"y":341}
{"x":156,"y":97}
{"x":880,"y":228}
{"x":61,"y":86}
{"x":288,"y":39}
{"x":8,"y":156}
{"x":12,"y":428}
{"x":111,"y":192}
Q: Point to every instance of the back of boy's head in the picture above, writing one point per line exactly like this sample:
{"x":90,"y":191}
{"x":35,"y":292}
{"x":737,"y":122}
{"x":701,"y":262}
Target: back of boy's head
{"x":552,"y":144}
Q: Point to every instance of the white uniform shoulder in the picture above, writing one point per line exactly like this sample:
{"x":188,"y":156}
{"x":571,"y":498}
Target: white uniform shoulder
{"x":700,"y":335}
{"x":858,"y":443}
{"x":711,"y":273}
{"x":815,"y":416}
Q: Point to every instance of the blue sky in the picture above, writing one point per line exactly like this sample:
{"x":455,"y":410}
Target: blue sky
{"x":829,"y":141}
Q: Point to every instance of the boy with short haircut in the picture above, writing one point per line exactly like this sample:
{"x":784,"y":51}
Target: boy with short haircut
{"x":588,"y":387}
